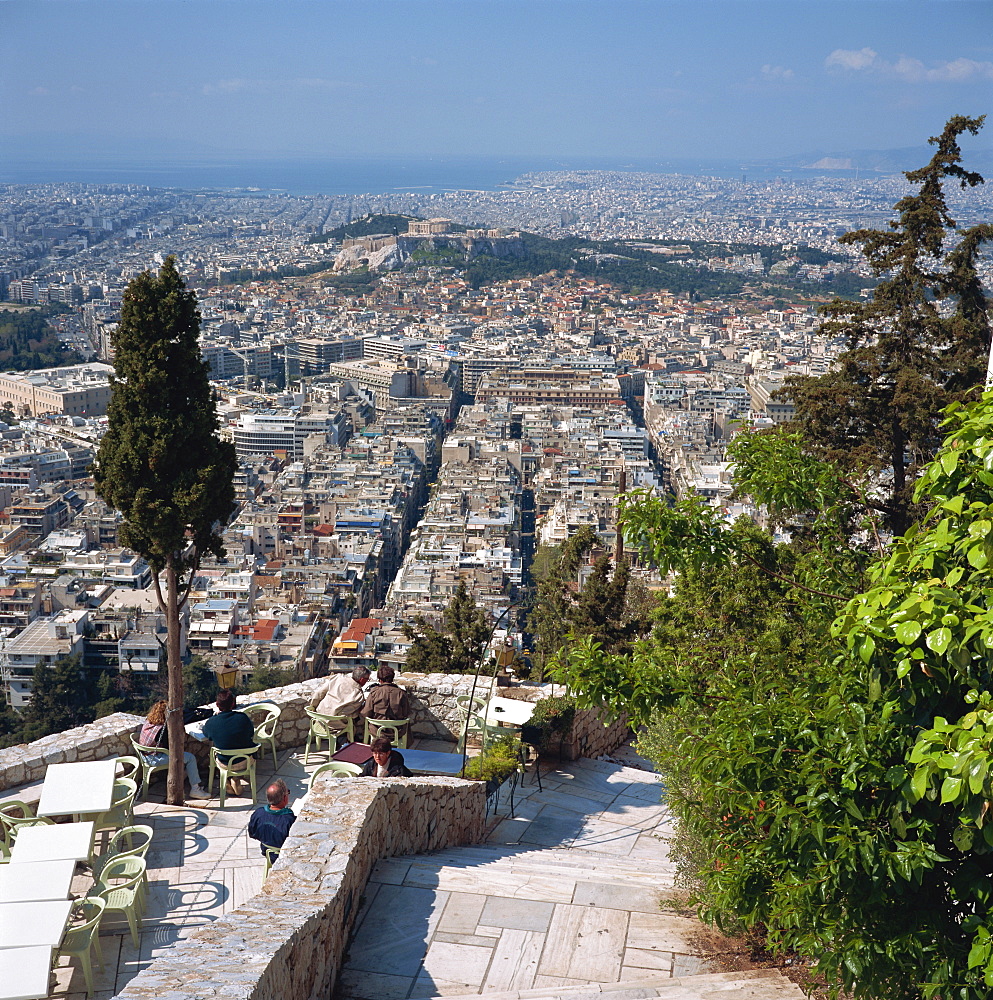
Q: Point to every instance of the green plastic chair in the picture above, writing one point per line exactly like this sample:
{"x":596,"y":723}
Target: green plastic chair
{"x":336,"y":768}
{"x":121,"y":887}
{"x":265,"y":729}
{"x":469,"y":704}
{"x":78,"y":940}
{"x":128,"y":842}
{"x":395,"y":730}
{"x":11,"y":823}
{"x":229,"y":764}
{"x":327,"y":727}
{"x":121,"y":811}
{"x":270,"y":855}
{"x":147,"y":769}
{"x":128,"y":767}
{"x":4,"y":853}
{"x":476,"y":726}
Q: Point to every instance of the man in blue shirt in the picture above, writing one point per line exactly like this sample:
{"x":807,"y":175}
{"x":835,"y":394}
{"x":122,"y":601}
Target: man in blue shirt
{"x":270,"y":824}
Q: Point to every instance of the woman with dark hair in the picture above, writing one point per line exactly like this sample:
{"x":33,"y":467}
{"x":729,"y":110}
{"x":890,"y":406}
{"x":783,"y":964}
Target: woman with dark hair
{"x":386,"y":762}
{"x":155,"y":733}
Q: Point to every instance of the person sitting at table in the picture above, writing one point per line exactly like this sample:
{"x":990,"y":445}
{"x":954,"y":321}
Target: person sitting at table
{"x":386,"y":700}
{"x":155,"y":733}
{"x":342,"y":694}
{"x":270,"y":824}
{"x":385,"y":762}
{"x":229,"y":730}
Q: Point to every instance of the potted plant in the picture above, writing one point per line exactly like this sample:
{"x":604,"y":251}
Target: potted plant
{"x":498,"y":762}
{"x":550,"y":723}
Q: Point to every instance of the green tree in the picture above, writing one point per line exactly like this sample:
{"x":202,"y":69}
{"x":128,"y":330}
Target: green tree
{"x":60,"y":699}
{"x":467,"y":628}
{"x":917,"y":345}
{"x":829,"y":762}
{"x":456,"y":648}
{"x":161,"y":462}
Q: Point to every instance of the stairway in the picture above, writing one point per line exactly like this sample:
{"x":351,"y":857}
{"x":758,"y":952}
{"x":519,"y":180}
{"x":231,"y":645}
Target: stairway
{"x":567,"y":900}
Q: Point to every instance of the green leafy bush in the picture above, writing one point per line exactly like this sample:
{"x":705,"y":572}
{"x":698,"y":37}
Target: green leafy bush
{"x":497,"y":762}
{"x":555,"y":714}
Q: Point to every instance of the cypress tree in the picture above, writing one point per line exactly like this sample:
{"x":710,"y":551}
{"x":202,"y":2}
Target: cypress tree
{"x":918,"y":345}
{"x":161,"y":463}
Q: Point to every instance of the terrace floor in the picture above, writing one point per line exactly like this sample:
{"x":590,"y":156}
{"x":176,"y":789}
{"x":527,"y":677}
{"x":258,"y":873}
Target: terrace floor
{"x":565,"y":894}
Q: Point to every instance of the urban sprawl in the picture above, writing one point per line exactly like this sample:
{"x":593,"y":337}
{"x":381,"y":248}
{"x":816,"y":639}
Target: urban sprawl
{"x":397,"y":438}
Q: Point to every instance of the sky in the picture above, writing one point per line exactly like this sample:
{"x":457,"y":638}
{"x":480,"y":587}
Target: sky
{"x":211,"y":80}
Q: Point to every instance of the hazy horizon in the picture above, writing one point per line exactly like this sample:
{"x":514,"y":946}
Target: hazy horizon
{"x":113,"y":83}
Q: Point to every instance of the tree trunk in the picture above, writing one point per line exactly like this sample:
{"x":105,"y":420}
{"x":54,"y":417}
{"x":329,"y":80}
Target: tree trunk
{"x":174,"y":717}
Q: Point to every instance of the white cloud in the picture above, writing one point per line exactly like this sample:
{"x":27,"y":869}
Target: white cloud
{"x":851,"y":58}
{"x":39,"y":92}
{"x":908,"y":68}
{"x":776,"y":73}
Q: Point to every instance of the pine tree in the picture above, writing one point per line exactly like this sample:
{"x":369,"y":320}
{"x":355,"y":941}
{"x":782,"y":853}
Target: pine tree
{"x":466,"y":626}
{"x":60,"y":699}
{"x":918,"y":345}
{"x":161,"y":462}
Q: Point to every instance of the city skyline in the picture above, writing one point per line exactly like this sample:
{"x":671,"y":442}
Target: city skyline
{"x":217,"y":83}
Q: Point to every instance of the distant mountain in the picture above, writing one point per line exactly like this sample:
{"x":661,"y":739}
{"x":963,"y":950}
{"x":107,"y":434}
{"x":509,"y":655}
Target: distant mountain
{"x":881,"y":161}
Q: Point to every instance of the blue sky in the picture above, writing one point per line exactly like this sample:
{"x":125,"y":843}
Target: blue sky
{"x":222,"y":80}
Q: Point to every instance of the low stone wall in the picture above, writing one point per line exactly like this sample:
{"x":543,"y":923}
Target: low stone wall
{"x":107,"y":737}
{"x":433,"y":711}
{"x":288,"y":942}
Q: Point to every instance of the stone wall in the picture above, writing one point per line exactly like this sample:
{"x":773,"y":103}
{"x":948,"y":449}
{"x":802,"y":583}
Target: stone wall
{"x":434,"y":715}
{"x":288,"y":942}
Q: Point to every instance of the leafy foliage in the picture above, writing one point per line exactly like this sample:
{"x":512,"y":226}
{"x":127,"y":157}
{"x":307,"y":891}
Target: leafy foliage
{"x":919,"y":344}
{"x":832,"y":778}
{"x":497,"y":762}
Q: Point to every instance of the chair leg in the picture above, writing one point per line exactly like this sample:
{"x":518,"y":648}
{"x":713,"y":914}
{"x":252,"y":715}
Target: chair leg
{"x":272,"y":743}
{"x":222,"y":791}
{"x":210,"y":777}
{"x":306,"y":752}
{"x":84,"y":961}
{"x":251,"y":781}
{"x":133,"y":922}
{"x":95,"y":944}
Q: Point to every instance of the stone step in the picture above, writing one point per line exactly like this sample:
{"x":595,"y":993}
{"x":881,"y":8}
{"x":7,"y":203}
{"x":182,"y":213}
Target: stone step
{"x":757,"y":984}
{"x":565,"y":862}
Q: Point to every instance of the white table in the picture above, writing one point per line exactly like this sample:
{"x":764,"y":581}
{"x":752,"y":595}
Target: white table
{"x":508,"y":711}
{"x":432,"y":762}
{"x":24,"y":972}
{"x":28,"y":881}
{"x":72,"y":841}
{"x":42,"y":922}
{"x":77,"y":789}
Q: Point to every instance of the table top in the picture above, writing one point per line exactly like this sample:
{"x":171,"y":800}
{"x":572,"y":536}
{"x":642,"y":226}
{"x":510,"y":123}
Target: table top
{"x":24,"y":972}
{"x":354,"y":753}
{"x":433,"y":762}
{"x":418,"y":761}
{"x":42,"y":922}
{"x":32,"y":880}
{"x":509,"y":711}
{"x":52,"y":843}
{"x":83,"y":787}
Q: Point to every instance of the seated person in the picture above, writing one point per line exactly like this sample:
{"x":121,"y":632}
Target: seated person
{"x":386,"y":762}
{"x":155,"y":733}
{"x":228,"y":729}
{"x":342,"y":694}
{"x":270,"y":824}
{"x":386,"y":700}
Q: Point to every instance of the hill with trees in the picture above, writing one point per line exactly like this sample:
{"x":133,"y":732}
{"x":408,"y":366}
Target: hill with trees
{"x":29,"y":341}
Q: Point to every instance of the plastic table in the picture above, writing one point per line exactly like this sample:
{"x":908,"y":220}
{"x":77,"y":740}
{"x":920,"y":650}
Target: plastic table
{"x":41,"y":922}
{"x":28,"y":881}
{"x":508,"y":711}
{"x":24,"y":972}
{"x":78,"y":789}
{"x":53,"y":843}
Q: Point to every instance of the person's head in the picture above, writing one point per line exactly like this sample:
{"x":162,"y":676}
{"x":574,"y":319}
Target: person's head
{"x":381,"y":749}
{"x":385,"y":675}
{"x":157,"y":714}
{"x":360,"y":675}
{"x":277,"y":794}
{"x":225,"y":700}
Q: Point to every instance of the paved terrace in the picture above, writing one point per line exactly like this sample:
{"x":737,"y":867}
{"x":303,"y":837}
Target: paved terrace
{"x":562,"y":899}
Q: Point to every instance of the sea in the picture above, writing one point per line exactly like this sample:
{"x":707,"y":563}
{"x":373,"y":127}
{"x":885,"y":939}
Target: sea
{"x":339,"y":176}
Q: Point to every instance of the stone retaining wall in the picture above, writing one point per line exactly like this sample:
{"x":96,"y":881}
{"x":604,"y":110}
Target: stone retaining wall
{"x":288,"y":942}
